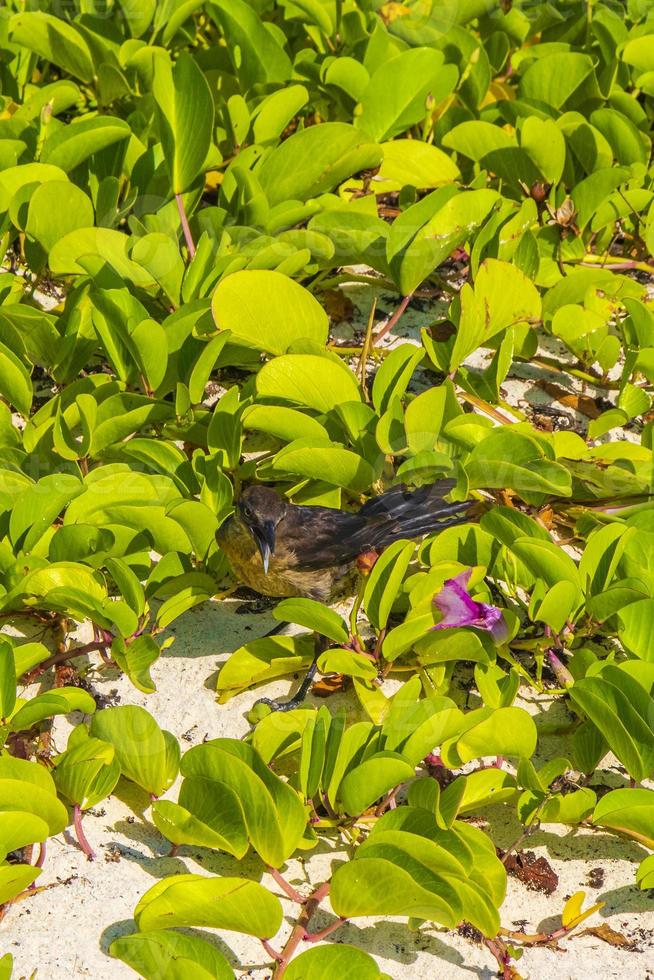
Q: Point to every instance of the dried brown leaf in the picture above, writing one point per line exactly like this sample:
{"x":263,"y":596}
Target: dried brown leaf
{"x":609,"y":935}
{"x":583,"y":404}
{"x":535,"y":872}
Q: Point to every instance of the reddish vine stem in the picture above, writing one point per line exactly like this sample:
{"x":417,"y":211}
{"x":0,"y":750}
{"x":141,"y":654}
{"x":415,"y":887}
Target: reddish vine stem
{"x":388,"y":326}
{"x":188,"y":237}
{"x":272,"y":953}
{"x":501,"y":954}
{"x":79,"y":833}
{"x":300,"y":930}
{"x":287,"y":888}
{"x":63,"y":655}
{"x":317,"y":937}
{"x":41,"y":858}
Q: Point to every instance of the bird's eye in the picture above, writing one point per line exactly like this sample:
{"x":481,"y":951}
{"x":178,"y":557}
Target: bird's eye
{"x":247,"y":513}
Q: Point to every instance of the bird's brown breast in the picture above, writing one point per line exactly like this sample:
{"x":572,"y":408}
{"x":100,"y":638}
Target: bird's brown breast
{"x":282,"y":578}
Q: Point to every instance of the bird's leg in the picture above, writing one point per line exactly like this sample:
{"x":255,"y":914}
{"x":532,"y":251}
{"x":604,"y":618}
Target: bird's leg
{"x":321,"y":643}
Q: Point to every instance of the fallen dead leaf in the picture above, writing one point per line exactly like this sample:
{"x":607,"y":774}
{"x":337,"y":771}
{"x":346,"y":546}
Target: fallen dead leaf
{"x":327,"y":686}
{"x":534,"y":872}
{"x":608,"y":935}
{"x":583,"y":404}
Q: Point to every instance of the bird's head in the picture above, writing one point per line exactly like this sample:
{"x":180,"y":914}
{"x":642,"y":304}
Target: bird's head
{"x":261,"y":509}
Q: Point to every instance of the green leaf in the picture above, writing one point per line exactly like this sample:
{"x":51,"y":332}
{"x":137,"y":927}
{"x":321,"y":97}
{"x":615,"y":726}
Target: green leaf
{"x":504,"y":731}
{"x":53,"y":39}
{"x":261,"y":660}
{"x":268,"y":310}
{"x":14,"y":879}
{"x":7,"y":680}
{"x":274,"y":815}
{"x":315,"y":160}
{"x":307,"y":379}
{"x":628,"y":811}
{"x":285,"y":424}
{"x":56,"y":208}
{"x":619,"y":709}
{"x":396,"y":96}
{"x":645,"y":873}
{"x":172,"y":954}
{"x":384,"y":582}
{"x":506,"y":458}
{"x":414,"y":252}
{"x":416,"y":164}
{"x":320,"y":459}
{"x":15,"y":382}
{"x":217,"y":822}
{"x":339,"y":960}
{"x":185,"y":114}
{"x":555,"y":78}
{"x":314,"y":616}
{"x":61,"y":701}
{"x":146,"y":754}
{"x":371,"y":779}
{"x":235,"y":904}
{"x":256,"y":53}
{"x":394,"y":374}
{"x":502,"y":297}
{"x":19,"y":828}
{"x":72,"y":145}
{"x":159,"y":254}
{"x":546,"y":560}
{"x":87,"y":771}
{"x":637,"y":630}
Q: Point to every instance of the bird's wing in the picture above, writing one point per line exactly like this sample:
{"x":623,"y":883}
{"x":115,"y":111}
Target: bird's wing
{"x":319,"y":537}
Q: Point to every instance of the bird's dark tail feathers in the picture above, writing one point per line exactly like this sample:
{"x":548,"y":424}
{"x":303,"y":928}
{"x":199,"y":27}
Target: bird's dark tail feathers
{"x":401,"y":513}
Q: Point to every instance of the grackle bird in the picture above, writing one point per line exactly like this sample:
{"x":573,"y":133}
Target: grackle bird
{"x":282,"y":549}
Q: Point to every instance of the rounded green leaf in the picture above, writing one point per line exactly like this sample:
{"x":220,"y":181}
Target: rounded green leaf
{"x":308,"y":379}
{"x":268,"y":310}
{"x":174,"y":955}
{"x":315,"y":160}
{"x":368,"y":781}
{"x":146,"y":754}
{"x":629,"y":811}
{"x":69,"y":146}
{"x":414,"y":163}
{"x":56,"y":208}
{"x":506,"y":731}
{"x":217,"y":903}
{"x":339,"y":960}
{"x":314,"y":616}
{"x":325,"y":460}
{"x":396,"y":96}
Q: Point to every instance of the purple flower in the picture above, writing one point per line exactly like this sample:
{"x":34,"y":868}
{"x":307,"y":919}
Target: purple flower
{"x":459,"y":609}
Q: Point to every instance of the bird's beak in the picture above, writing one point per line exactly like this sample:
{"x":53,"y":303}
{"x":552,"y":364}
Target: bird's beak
{"x":265,"y":538}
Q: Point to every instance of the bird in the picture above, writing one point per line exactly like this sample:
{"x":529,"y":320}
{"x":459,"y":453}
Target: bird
{"x":288,"y":550}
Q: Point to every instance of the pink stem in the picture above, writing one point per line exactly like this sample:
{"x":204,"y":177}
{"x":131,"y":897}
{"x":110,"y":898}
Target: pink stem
{"x":79,"y":833}
{"x":393,"y":320}
{"x":288,"y":890}
{"x":41,"y":858}
{"x":316,"y":937}
{"x":190,"y":244}
{"x":272,"y":953}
